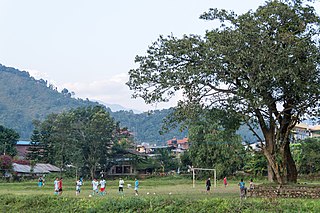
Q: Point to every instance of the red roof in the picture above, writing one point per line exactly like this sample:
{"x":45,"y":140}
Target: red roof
{"x":182,"y":141}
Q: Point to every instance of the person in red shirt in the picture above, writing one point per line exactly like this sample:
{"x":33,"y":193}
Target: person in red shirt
{"x":60,"y":186}
{"x":225,"y":183}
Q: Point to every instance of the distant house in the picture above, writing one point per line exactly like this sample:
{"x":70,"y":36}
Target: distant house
{"x":22,"y":148}
{"x":38,"y":169}
{"x":124,"y":165}
{"x":302,"y":131}
{"x":181,"y":144}
{"x":315,"y":131}
{"x":123,"y":169}
{"x":142,"y":148}
{"x":150,"y":150}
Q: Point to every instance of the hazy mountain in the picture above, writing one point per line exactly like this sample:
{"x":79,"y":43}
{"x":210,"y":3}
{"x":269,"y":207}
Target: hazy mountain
{"x":117,"y":107}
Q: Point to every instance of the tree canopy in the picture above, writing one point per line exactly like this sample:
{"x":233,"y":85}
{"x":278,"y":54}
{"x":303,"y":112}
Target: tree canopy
{"x":216,"y":144}
{"x":8,"y":141}
{"x":262,"y":65}
{"x":81,"y":137}
{"x":309,"y":156}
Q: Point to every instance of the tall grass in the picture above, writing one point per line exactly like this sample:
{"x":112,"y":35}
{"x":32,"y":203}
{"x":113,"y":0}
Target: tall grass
{"x":46,"y":203}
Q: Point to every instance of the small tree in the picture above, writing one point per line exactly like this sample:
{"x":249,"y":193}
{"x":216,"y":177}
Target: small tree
{"x":8,"y":141}
{"x":5,"y":163}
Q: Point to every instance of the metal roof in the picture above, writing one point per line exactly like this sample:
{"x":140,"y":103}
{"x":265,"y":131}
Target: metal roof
{"x":47,"y":166}
{"x":39,"y":168}
{"x":23,"y":142}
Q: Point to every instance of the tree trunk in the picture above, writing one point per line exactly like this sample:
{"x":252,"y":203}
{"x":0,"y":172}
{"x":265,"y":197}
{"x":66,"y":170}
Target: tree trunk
{"x":92,"y":172}
{"x":292,"y":173}
{"x":271,"y":176}
{"x":276,"y":168}
{"x":284,"y":171}
{"x":270,"y":148}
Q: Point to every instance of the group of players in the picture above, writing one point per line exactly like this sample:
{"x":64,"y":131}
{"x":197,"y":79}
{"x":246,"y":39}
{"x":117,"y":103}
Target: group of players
{"x":102,"y":183}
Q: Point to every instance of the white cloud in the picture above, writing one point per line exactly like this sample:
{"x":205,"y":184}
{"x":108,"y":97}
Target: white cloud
{"x":113,"y":90}
{"x":41,"y":75}
{"x":37,"y":74}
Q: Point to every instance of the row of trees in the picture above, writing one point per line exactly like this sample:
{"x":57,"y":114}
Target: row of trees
{"x":85,"y":138}
{"x":89,"y":138}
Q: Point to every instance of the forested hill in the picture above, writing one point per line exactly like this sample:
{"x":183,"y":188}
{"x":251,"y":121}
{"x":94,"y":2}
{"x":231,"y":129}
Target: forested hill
{"x":146,"y":126}
{"x":24,"y":99}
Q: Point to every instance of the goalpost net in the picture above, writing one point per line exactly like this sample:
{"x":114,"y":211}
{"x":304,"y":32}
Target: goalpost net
{"x":193,"y":170}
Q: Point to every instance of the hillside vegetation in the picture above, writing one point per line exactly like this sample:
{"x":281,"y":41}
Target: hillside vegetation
{"x":24,"y":99}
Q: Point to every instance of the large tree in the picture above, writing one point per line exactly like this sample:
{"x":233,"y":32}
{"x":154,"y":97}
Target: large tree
{"x":82,"y":137}
{"x":263,"y":64}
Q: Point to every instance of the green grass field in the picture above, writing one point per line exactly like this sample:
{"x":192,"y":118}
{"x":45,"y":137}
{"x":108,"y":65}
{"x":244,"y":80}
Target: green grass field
{"x":167,"y":186}
{"x":166,"y":194}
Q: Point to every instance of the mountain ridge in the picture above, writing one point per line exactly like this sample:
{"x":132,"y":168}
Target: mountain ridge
{"x":24,"y":99}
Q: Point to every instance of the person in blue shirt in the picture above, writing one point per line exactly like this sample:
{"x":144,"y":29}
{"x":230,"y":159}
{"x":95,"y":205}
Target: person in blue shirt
{"x":243,"y":189}
{"x":136,"y":186}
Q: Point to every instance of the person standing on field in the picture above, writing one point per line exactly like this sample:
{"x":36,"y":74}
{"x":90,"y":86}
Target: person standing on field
{"x":208,"y":185}
{"x":136,"y":186}
{"x":60,"y":186}
{"x":78,"y":187}
{"x":102,"y":186}
{"x":251,"y":187}
{"x":95,"y":184}
{"x":243,"y":189}
{"x":40,"y":181}
{"x":121,"y":183}
{"x":56,"y":186}
{"x":225,"y":183}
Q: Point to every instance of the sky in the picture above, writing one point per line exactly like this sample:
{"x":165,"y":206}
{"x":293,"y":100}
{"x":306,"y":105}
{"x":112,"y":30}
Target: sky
{"x":89,"y":47}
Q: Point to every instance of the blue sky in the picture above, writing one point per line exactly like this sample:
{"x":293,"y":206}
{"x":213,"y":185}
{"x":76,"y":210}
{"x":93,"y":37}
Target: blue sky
{"x":88,"y":47}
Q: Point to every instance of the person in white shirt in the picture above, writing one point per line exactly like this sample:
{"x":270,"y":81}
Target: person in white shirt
{"x":95,"y":184}
{"x":78,"y":187}
{"x":56,"y":186}
{"x":121,"y":183}
{"x":102,"y":186}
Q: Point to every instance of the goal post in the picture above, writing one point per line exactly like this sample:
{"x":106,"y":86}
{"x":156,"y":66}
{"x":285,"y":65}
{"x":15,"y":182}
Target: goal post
{"x":203,"y":169}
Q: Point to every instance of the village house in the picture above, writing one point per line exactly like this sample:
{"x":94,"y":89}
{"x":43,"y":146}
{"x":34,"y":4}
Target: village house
{"x":302,"y":131}
{"x":22,"y":148}
{"x":124,"y":165}
{"x":182,"y":144}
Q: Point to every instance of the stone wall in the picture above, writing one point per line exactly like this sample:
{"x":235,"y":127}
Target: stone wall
{"x":287,"y":191}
